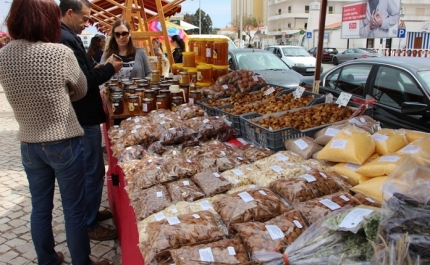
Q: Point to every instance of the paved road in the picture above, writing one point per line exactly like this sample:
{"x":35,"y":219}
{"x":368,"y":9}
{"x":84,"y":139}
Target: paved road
{"x":16,"y":247}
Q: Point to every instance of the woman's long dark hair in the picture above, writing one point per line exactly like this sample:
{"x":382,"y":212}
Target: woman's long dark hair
{"x":94,"y":44}
{"x":112,"y":47}
{"x":179,"y":41}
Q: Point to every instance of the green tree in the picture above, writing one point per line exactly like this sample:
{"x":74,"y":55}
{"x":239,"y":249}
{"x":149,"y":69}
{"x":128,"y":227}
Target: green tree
{"x":194,"y":19}
{"x":248,"y":23}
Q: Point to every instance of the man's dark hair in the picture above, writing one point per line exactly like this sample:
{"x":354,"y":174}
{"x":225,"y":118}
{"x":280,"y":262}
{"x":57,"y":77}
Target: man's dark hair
{"x":75,"y":5}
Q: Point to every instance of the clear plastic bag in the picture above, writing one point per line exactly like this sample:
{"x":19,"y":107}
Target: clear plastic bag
{"x":156,"y":148}
{"x":188,"y":111}
{"x":303,"y":146}
{"x":135,"y":152}
{"x":389,"y":141}
{"x":253,"y":153}
{"x":211,"y":183}
{"x":184,"y":190}
{"x":150,"y":201}
{"x":175,"y":135}
{"x":177,"y":168}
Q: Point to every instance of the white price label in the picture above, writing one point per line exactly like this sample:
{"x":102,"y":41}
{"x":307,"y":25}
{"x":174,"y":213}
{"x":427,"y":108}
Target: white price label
{"x":223,"y":153}
{"x":205,"y":121}
{"x":240,"y":158}
{"x":206,"y":255}
{"x":186,"y":183}
{"x":302,"y":145}
{"x":133,"y":131}
{"x":249,"y":169}
{"x":309,"y":178}
{"x":174,"y":210}
{"x":323,"y":175}
{"x":217,"y":175}
{"x":237,"y":172}
{"x":330,"y":204}
{"x":355,"y":217}
{"x":136,"y":120}
{"x":298,"y":92}
{"x":269,"y":91}
{"x":347,"y":132}
{"x":208,"y":52}
{"x":370,"y":200}
{"x":173,"y":220}
{"x":262,"y":192}
{"x":129,"y":119}
{"x":171,"y":129}
{"x":191,"y":100}
{"x":116,"y":126}
{"x":205,"y":205}
{"x":231,"y":251}
{"x":410,"y":149}
{"x":145,"y":107}
{"x":343,"y":197}
{"x":186,"y":109}
{"x":225,"y":86}
{"x":242,"y":141}
{"x":298,"y":224}
{"x":159,"y":194}
{"x":276,"y":168}
{"x":189,"y":161}
{"x":121,"y":131}
{"x":245,"y":196}
{"x":161,"y":115}
{"x":128,"y":148}
{"x":380,"y":137}
{"x":393,"y":159}
{"x":159,"y":216}
{"x":283,"y":157}
{"x":331,"y":132}
{"x":343,"y":99}
{"x":275,"y":232}
{"x":306,"y":167}
{"x":255,"y":78}
{"x":339,"y":144}
{"x":352,"y":166}
{"x":356,"y":122}
{"x":196,"y":216}
{"x":163,"y":122}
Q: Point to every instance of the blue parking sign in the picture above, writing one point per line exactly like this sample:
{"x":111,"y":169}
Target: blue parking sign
{"x":401,"y":33}
{"x":309,"y":35}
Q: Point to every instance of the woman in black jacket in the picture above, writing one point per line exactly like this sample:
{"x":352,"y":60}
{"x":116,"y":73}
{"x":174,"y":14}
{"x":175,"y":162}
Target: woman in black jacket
{"x":179,"y":45}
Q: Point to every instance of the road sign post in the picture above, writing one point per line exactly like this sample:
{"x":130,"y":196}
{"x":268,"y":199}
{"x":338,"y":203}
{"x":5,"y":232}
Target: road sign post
{"x":401,"y":30}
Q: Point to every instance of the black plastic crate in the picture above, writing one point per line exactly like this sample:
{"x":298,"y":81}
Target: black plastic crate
{"x":209,"y":110}
{"x":318,"y":98}
{"x":234,"y":119}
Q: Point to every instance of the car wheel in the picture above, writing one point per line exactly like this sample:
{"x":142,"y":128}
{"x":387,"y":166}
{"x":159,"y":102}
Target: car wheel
{"x":335,"y":61}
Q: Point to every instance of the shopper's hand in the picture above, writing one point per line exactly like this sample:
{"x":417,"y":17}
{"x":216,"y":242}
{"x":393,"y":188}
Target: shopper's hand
{"x":117,"y":65}
{"x":98,"y":65}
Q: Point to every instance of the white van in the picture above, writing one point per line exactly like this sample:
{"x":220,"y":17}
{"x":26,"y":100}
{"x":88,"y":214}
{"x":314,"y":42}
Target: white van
{"x":231,"y":44}
{"x":296,"y":57}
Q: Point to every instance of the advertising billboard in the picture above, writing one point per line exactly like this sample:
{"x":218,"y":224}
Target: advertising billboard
{"x":371,"y":19}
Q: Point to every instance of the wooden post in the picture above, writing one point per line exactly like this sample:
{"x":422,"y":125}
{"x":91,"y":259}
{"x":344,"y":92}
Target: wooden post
{"x":317,"y":76}
{"x":164,"y":28}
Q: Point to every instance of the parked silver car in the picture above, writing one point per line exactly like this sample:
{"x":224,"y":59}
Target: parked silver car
{"x":354,"y":53}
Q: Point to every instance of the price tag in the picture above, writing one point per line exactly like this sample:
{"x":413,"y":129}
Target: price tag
{"x":302,"y":145}
{"x":338,"y":144}
{"x":174,"y":210}
{"x":171,"y":129}
{"x":240,"y":158}
{"x":174,"y":152}
{"x":196,"y":216}
{"x":283,"y":157}
{"x":191,"y":100}
{"x":308,"y":177}
{"x":242,"y":141}
{"x":348,"y":132}
{"x":275,"y":232}
{"x":116,"y":126}
{"x":133,"y":131}
{"x":255,"y":78}
{"x":217,"y":175}
{"x":262,"y":192}
{"x":189,"y":161}
{"x":298,"y":224}
{"x":245,"y":196}
{"x":370,"y":200}
{"x":121,"y":131}
{"x":225,"y":86}
{"x":330,"y":204}
{"x":231,"y":251}
{"x":343,"y":99}
{"x":161,"y":115}
{"x":223,"y":153}
{"x":343,"y":197}
{"x":355,"y":217}
{"x":208,"y":52}
{"x":306,"y":167}
{"x":206,"y":255}
{"x":163,"y":122}
{"x":159,"y":194}
{"x":352,"y":166}
{"x":393,"y":159}
{"x":129,"y":119}
{"x":237,"y":172}
{"x":159,"y":216}
{"x":173,"y":220}
{"x":410,"y":149}
{"x":277,"y":169}
{"x":332,"y":132}
{"x":205,"y":205}
{"x":269,"y":91}
{"x":186,"y":183}
{"x":323,"y":175}
{"x":186,"y":109}
{"x":128,"y":148}
{"x":205,"y":121}
{"x":356,"y":122}
{"x":298,"y":92}
{"x":136,"y":120}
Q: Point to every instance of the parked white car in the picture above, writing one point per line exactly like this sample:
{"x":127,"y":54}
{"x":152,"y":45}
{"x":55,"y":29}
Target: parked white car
{"x":296,"y":57}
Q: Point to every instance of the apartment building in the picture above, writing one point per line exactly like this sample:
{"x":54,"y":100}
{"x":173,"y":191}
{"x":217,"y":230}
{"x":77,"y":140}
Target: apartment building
{"x":255,"y":8}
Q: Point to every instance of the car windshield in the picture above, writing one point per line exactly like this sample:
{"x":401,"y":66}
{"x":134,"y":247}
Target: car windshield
{"x":330,"y":50}
{"x":367,"y":51}
{"x":295,"y":52}
{"x":260,"y":61}
{"x":425,"y":75}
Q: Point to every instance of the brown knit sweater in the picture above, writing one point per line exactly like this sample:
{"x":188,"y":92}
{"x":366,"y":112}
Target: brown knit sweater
{"x":36,"y":78}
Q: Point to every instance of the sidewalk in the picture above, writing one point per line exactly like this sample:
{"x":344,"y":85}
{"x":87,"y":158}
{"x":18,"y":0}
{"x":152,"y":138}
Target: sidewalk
{"x":16,"y":247}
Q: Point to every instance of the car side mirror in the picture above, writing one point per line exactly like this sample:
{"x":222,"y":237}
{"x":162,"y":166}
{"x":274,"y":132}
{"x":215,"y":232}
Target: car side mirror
{"x":277,"y":54}
{"x":414,"y":108}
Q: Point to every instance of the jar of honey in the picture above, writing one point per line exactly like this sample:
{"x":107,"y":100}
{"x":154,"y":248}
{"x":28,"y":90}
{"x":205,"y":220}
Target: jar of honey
{"x":148,"y":105}
{"x":134,"y":80}
{"x":166,"y":92}
{"x":176,"y":67}
{"x":142,"y":83}
{"x":209,"y":51}
{"x":126,"y":84}
{"x":114,"y":81}
{"x":220,"y":52}
{"x":189,"y":59}
{"x":133,"y":104}
{"x":204,"y":73}
{"x":155,"y":76}
{"x":117,"y":104}
{"x":140,"y":92}
{"x":219,"y":70}
{"x":177,"y":91}
{"x":191,"y":42}
{"x":200,"y":85}
{"x":202,"y":51}
{"x":186,"y":89}
{"x":195,"y":95}
{"x":162,"y":102}
{"x":149,"y":93}
{"x":130,"y":90}
{"x":192,"y":73}
{"x":184,"y":78}
{"x":196,"y":49}
{"x":176,"y":101}
{"x":165,"y":86}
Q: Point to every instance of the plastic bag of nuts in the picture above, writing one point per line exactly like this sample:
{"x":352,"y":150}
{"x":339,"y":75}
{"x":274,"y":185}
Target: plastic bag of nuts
{"x":258,"y":204}
{"x":238,"y":176}
{"x":313,"y":184}
{"x":184,"y":190}
{"x":273,"y":235}
{"x":188,"y":111}
{"x":227,"y":251}
{"x":314,"y":209}
{"x":211,"y":183}
{"x":180,"y":168}
{"x":253,"y":153}
{"x":156,"y":148}
{"x":183,"y":230}
{"x":131,"y":153}
{"x":303,"y":146}
{"x":366,"y":200}
{"x":175,"y":135}
{"x":150,"y":201}
{"x":278,"y":159}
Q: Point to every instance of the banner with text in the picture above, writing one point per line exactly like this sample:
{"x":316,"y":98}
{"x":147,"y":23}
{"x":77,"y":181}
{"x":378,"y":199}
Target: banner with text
{"x":371,"y":19}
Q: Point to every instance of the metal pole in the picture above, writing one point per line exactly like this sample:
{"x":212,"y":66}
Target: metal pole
{"x":317,"y":77}
{"x":240,"y":23}
{"x":200,"y":18}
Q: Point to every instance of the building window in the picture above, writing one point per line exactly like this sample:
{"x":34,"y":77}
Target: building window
{"x":289,"y":25}
{"x":85,"y":37}
{"x":279,"y":11}
{"x":420,"y":11}
{"x":306,"y":9}
{"x":289,"y":9}
{"x":330,"y":9}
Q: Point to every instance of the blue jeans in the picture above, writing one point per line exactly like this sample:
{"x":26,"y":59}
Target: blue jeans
{"x":95,"y":171}
{"x":43,"y":163}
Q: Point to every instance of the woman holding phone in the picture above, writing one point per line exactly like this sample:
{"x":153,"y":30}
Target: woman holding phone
{"x":135,"y":60}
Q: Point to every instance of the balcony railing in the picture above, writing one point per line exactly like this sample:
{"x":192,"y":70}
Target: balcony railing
{"x":423,"y":53}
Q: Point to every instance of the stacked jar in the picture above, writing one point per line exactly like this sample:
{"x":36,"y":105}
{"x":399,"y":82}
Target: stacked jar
{"x":220,"y":58}
{"x":189,"y":59}
{"x":204,"y":75}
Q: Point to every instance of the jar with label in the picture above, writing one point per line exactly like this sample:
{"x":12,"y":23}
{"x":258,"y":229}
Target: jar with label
{"x":165,"y":86}
{"x":130,"y":90}
{"x":117,"y":104}
{"x":140,"y":92}
{"x":204,"y":73}
{"x":220,"y":53}
{"x":148,"y":105}
{"x":114,"y":90}
{"x":155,"y":87}
{"x":209,"y":51}
{"x":162,"y":102}
{"x":133,"y":104}
{"x":176,"y":101}
{"x":202,"y":49}
{"x":184,"y":78}
{"x":192,"y":73}
{"x":149,"y":93}
{"x":191,"y":42}
{"x":176,"y":67}
{"x":196,"y":49}
{"x":166,"y":92}
{"x":134,"y":80}
{"x":142,"y":83}
{"x":177,"y":91}
{"x":195,"y":95}
{"x":126,"y":84}
{"x":155,"y":76}
{"x":114,"y":81}
{"x":186,"y":89}
{"x":189,"y":59}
